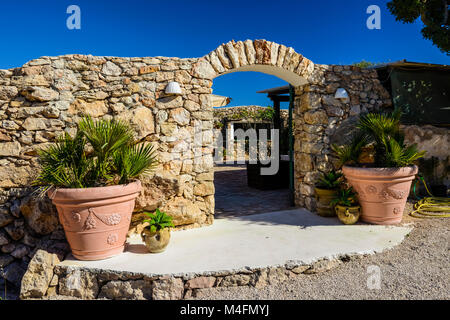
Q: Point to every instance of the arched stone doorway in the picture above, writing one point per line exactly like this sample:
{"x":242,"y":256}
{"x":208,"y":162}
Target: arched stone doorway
{"x":260,"y":56}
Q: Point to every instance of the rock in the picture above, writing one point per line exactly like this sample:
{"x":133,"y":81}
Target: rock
{"x":147,"y":69}
{"x":5,"y":259}
{"x":200,"y":283}
{"x":13,"y":273}
{"x":155,"y":190}
{"x":39,"y":274}
{"x":183,"y":211}
{"x":300,"y":269}
{"x":3,"y":238}
{"x":40,"y":214}
{"x":204,"y":189}
{"x":168,"y":289}
{"x":111,"y":69}
{"x":203,"y":69}
{"x":5,"y":219}
{"x":94,"y":109}
{"x":16,"y":229}
{"x":236,"y":280}
{"x":8,"y":248}
{"x":80,"y":284}
{"x":317,"y":117}
{"x":40,"y":94}
{"x":141,"y":120}
{"x":322,"y":266}
{"x":127,"y":290}
{"x":32,"y":124}
{"x":20,"y":251}
{"x":10,"y":149}
{"x":180,"y":116}
{"x":8,"y":92}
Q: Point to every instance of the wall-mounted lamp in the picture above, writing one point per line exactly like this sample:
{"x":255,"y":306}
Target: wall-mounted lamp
{"x":342,"y":94}
{"x":173,"y":88}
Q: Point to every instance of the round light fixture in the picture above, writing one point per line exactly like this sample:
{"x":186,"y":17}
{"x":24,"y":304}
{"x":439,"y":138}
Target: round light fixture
{"x":173,"y":88}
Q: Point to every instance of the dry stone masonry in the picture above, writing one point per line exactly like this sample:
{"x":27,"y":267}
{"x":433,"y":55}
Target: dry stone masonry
{"x":48,"y":96}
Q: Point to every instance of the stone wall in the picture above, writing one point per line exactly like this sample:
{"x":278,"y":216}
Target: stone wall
{"x":48,"y":96}
{"x":436,"y":142}
{"x":318,"y":115}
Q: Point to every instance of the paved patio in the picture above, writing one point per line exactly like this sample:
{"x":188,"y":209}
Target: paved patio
{"x":234,"y":198}
{"x":248,"y":242}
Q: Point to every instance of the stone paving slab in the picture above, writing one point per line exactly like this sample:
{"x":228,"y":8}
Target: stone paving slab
{"x":282,"y":238}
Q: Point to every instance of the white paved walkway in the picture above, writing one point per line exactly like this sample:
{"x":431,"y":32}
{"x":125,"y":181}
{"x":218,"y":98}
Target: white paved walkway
{"x":261,"y":240}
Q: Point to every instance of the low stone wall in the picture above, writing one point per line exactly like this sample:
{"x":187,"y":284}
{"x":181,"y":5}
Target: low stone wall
{"x":48,"y":280}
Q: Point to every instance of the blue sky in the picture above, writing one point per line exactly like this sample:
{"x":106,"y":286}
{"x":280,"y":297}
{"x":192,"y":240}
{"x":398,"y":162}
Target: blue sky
{"x":329,"y":32}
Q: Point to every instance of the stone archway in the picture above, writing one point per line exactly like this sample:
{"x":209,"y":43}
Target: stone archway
{"x":258,"y":55}
{"x":266,"y":57}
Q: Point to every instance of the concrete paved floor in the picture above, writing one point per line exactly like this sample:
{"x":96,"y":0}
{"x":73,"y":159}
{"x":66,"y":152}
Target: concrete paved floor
{"x":261,"y":240}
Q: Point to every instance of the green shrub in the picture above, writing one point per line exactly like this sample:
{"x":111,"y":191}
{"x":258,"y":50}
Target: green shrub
{"x":158,"y":221}
{"x":330,"y":180}
{"x":381,"y":132}
{"x":346,"y":197}
{"x":101,"y":153}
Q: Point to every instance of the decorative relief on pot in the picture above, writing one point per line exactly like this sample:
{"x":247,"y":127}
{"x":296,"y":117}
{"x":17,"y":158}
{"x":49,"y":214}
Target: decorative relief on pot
{"x":112,"y":238}
{"x":371,"y":189}
{"x":90,"y":222}
{"x":110,"y":220}
{"x":76,"y":217}
{"x":396,"y":210}
{"x":387,"y":194}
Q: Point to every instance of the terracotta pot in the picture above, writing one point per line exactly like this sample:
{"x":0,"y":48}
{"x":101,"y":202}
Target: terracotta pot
{"x":382,"y":192}
{"x":348,"y":215}
{"x":156,"y":241}
{"x":324,"y":197}
{"x":96,"y":220}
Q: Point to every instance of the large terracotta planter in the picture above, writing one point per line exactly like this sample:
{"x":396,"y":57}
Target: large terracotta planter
{"x":324,"y":198}
{"x":382,"y":192}
{"x":96,"y":220}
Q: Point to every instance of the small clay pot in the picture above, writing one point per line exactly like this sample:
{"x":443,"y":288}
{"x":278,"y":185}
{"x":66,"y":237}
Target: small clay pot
{"x":156,"y":241}
{"x":348,"y":215}
{"x":324,"y":198}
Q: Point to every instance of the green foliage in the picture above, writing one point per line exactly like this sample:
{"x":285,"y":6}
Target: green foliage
{"x":382,"y":132}
{"x":433,"y":13}
{"x":101,"y":153}
{"x":345,"y":197}
{"x":364,"y":64}
{"x":158,"y":221}
{"x":330,"y":180}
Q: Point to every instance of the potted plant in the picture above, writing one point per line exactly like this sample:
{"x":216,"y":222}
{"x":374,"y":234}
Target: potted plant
{"x":346,"y":206}
{"x":92,"y":180}
{"x":379,"y":166}
{"x":326,"y":189}
{"x":156,"y":235}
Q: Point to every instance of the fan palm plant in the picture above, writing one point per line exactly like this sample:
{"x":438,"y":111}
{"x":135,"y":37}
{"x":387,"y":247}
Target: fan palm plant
{"x":101,"y":153}
{"x":382,"y":132}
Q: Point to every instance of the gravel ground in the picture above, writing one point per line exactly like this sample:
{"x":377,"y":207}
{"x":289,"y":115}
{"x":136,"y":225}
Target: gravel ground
{"x":418,"y":268}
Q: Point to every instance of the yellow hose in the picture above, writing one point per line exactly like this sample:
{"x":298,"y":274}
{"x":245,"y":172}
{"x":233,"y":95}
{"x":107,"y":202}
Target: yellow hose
{"x":431,"y":207}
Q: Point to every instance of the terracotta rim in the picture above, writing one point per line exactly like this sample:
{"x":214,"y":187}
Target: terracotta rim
{"x":381,"y":173}
{"x":63,"y":195}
